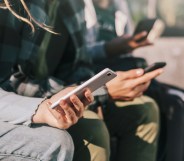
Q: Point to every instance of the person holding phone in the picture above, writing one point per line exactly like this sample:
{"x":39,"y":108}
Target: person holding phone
{"x":105,"y":22}
{"x":62,"y":61}
{"x":108,"y":23}
{"x":29,"y":129}
{"x":111,"y":36}
{"x":20,"y":142}
{"x":121,"y":96}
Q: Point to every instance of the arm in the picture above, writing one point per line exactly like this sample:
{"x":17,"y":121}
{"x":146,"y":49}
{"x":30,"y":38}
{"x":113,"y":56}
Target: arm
{"x":117,"y":46}
{"x":16,"y":109}
{"x":39,"y":58}
{"x":125,"y":44}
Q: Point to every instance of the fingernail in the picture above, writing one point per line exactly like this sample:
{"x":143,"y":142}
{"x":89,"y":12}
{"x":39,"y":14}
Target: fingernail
{"x":73,"y":99}
{"x":139,"y":72}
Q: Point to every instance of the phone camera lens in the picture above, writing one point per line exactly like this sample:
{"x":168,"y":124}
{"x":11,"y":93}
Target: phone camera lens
{"x":108,"y":74}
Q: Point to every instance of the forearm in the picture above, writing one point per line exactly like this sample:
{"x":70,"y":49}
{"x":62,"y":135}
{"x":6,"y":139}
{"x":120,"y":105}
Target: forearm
{"x":17,"y":109}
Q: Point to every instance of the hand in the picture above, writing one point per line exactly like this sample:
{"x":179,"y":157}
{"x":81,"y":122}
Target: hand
{"x":64,"y":115}
{"x":137,"y":41}
{"x":125,"y":44}
{"x":130,"y":84}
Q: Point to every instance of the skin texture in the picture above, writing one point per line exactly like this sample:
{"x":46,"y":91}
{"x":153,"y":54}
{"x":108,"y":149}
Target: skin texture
{"x":130,"y":84}
{"x":64,"y":115}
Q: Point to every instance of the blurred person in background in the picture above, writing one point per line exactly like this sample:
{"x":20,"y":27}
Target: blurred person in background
{"x":109,"y":35}
{"x":108,"y":23}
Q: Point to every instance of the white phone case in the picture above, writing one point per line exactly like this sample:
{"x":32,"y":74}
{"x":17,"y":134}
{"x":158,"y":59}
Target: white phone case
{"x":93,"y":84}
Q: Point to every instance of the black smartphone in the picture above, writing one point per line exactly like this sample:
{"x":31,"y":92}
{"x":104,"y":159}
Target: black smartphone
{"x":144,"y":25}
{"x":154,"y":66}
{"x":154,"y":28}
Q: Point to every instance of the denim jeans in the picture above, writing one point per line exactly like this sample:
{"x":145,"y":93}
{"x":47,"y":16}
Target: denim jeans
{"x":39,"y":143}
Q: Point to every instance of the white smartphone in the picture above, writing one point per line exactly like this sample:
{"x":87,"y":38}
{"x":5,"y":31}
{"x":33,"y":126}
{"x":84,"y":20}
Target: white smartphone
{"x":93,"y":84}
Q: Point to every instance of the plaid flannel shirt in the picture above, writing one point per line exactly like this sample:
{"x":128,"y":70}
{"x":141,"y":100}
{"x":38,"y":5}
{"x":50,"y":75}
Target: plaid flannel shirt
{"x":95,"y":48}
{"x":19,"y":49}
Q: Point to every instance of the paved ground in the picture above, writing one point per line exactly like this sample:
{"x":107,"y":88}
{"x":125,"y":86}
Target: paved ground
{"x":170,"y":50}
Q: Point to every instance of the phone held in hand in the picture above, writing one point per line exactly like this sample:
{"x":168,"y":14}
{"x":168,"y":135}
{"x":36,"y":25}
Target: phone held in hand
{"x":154,"y":66}
{"x":154,"y":27}
{"x":93,"y":84}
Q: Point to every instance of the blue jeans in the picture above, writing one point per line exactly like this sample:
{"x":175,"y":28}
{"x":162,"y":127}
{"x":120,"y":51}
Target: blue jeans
{"x":39,"y":143}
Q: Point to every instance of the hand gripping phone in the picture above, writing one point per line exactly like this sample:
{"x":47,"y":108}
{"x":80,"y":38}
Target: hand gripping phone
{"x":93,"y":84}
{"x":154,"y":66}
{"x":154,"y":28}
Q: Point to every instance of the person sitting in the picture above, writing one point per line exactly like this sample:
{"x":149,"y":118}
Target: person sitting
{"x":108,"y":23}
{"x":52,"y":54}
{"x":29,"y":129}
{"x":121,"y":96}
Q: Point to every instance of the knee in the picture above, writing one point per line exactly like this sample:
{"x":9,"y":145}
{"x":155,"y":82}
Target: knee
{"x":98,"y":143}
{"x":60,"y":145}
{"x":148,"y":128}
{"x":150,"y":110}
{"x":95,"y":137}
{"x":37,"y":143}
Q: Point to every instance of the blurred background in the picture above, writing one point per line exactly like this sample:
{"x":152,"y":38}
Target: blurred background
{"x":170,"y":46}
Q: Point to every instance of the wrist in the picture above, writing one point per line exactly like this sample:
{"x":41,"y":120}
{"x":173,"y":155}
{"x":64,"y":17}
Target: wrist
{"x":107,"y":87}
{"x":39,"y":116}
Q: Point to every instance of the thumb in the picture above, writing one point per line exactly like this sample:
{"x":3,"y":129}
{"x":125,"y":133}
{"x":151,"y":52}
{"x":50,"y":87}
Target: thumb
{"x":130,"y":74}
{"x":140,"y":35}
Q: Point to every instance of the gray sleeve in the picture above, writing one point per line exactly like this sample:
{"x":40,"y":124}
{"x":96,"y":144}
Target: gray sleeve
{"x":17,"y":109}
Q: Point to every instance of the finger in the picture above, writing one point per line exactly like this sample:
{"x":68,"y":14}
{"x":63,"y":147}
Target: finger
{"x":130,"y":74}
{"x":147,"y":84}
{"x":59,"y":121}
{"x":147,"y":77}
{"x":70,"y":115}
{"x":57,"y":112}
{"x":140,"y":35}
{"x":78,"y":106}
{"x":145,"y":42}
{"x":89,"y":96}
{"x":60,"y":110}
{"x":140,"y":89}
{"x":139,"y":94}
